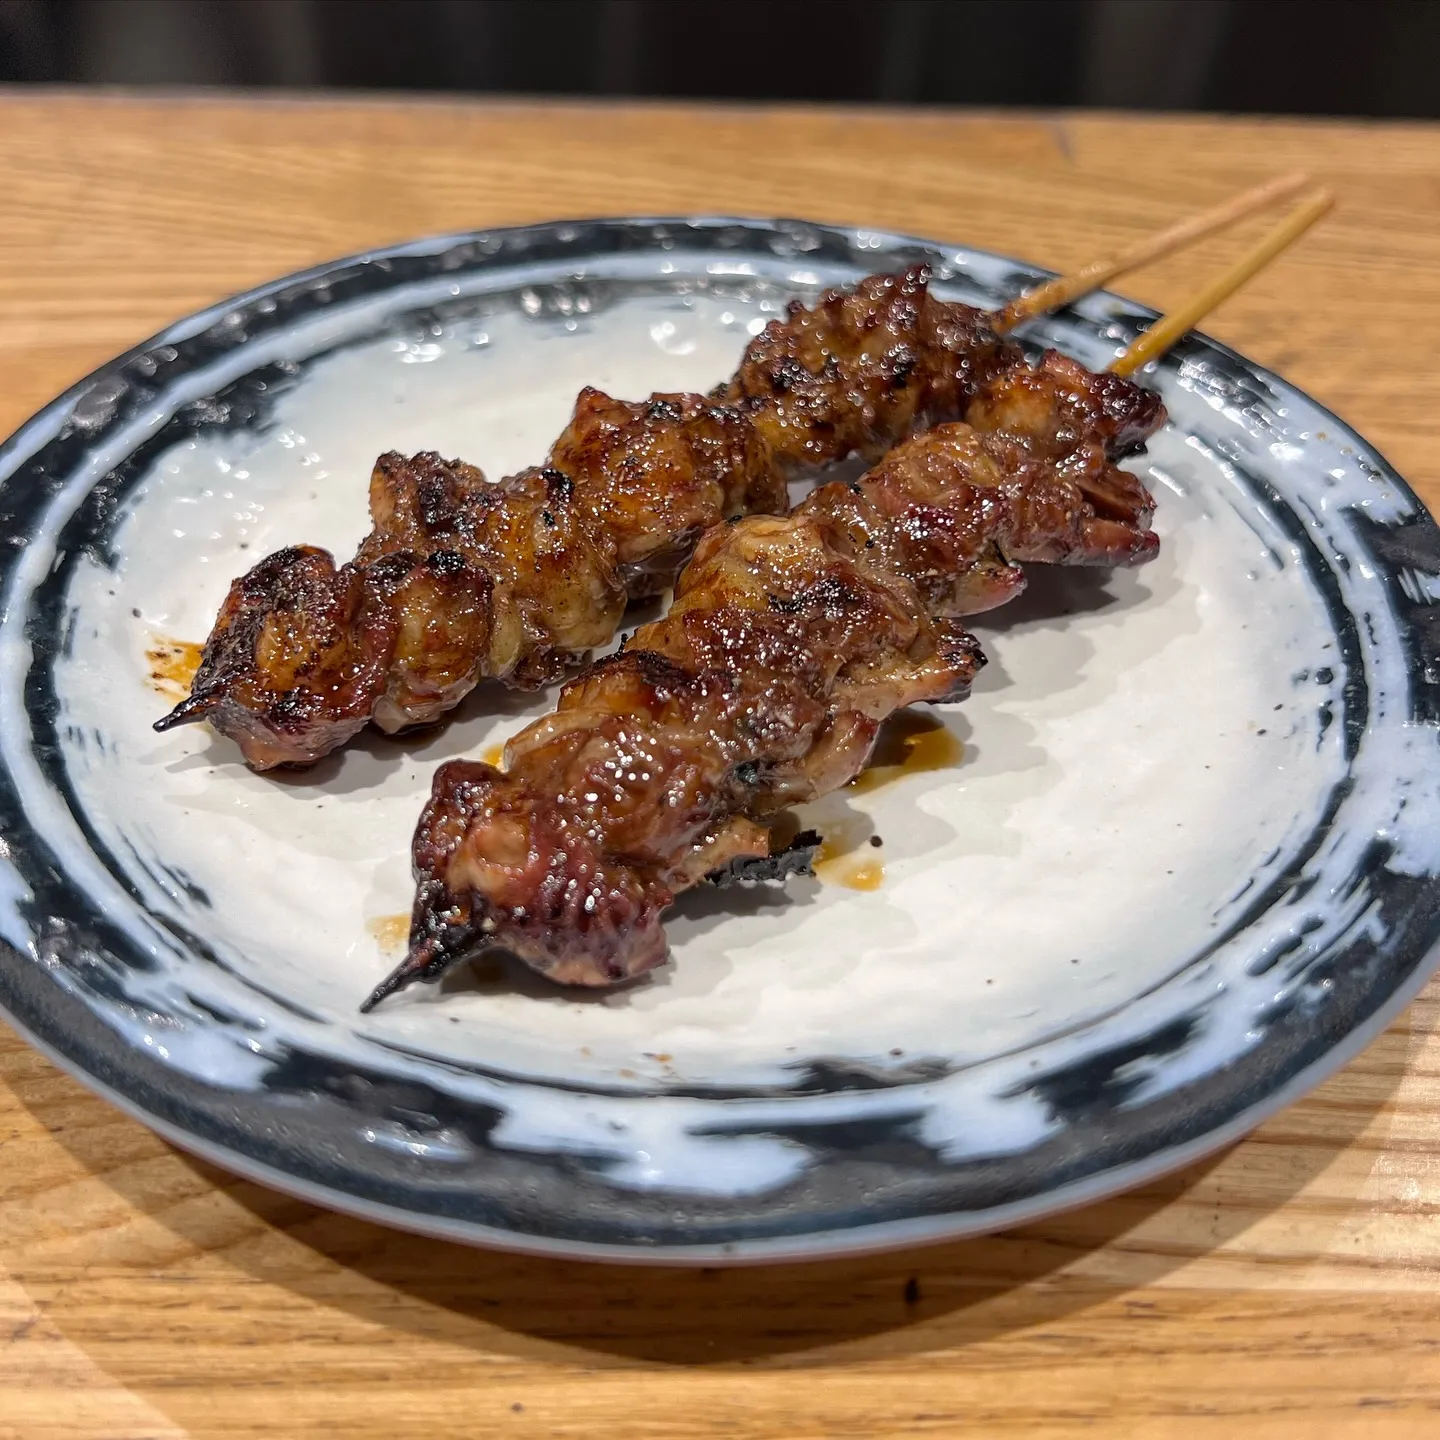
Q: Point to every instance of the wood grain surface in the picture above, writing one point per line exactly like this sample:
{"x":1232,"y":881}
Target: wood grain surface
{"x":1290,"y":1287}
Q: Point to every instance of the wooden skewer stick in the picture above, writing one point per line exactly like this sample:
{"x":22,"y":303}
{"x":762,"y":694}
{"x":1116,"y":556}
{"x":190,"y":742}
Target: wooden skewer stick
{"x":1065,"y":288}
{"x":1169,"y":328}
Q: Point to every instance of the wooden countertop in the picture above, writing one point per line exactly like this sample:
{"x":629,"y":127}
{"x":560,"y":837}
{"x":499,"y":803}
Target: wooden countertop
{"x":1290,"y":1287}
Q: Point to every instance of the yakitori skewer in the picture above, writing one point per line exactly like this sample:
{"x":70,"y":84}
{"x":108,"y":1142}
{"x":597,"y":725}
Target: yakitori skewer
{"x":1064,"y":288}
{"x":1166,"y":331}
{"x":461,"y":579}
{"x":790,"y":640}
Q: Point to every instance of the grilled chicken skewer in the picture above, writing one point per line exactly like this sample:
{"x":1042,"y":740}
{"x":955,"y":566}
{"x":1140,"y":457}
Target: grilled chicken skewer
{"x":790,"y":640}
{"x":461,"y":580}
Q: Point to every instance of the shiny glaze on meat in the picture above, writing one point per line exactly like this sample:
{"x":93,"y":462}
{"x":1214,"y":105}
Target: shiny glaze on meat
{"x":864,"y":368}
{"x":460,"y":579}
{"x":765,"y":685}
{"x":790,"y":640}
{"x":1030,"y":476}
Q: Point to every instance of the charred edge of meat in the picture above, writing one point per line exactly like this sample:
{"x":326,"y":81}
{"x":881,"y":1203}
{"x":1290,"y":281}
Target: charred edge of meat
{"x":621,"y":500}
{"x":443,"y":932}
{"x":451,"y":930}
{"x":194,"y":707}
{"x":796,"y":858}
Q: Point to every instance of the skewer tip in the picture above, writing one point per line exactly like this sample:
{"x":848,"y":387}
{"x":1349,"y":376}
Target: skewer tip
{"x":397,"y":979}
{"x":188,"y":711}
{"x":422,"y":963}
{"x":433,"y":950}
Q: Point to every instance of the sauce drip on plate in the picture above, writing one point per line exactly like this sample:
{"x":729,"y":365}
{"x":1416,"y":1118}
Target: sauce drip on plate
{"x":172,"y":664}
{"x":910,"y":744}
{"x":853,"y":871}
{"x":391,"y":932}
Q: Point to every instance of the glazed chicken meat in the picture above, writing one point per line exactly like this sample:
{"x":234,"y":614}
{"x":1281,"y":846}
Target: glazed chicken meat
{"x":461,"y":579}
{"x":790,"y":640}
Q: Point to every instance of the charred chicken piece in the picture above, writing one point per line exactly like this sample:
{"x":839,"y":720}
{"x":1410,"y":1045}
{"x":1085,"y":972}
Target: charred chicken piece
{"x":1059,"y":419}
{"x":765,"y":685}
{"x":304,"y":655}
{"x":537,"y":569}
{"x":960,"y":509}
{"x":862,"y":369}
{"x":789,"y":642}
{"x":652,"y":477}
{"x":460,"y":579}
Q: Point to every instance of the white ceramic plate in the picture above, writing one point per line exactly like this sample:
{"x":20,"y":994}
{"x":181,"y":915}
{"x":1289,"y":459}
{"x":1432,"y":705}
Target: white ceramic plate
{"x":1180,"y":865}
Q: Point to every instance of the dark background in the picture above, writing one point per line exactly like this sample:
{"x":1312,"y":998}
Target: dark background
{"x":1342,"y":57}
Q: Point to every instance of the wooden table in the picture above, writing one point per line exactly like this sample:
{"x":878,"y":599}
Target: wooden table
{"x":1290,"y":1287}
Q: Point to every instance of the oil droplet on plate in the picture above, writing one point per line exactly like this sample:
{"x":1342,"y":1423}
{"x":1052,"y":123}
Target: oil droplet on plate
{"x":863,"y":875}
{"x":172,"y":665}
{"x":837,"y":863}
{"x":494,"y":755}
{"x":391,"y":932}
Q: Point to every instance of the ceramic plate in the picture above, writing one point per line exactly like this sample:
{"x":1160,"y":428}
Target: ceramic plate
{"x":1176,"y":859}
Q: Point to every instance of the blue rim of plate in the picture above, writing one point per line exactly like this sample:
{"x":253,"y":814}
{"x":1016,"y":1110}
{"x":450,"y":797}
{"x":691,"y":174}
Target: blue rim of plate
{"x":868,"y":1182}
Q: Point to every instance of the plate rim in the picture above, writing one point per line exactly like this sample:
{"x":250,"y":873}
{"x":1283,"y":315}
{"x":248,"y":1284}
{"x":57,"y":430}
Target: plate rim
{"x":864,"y":1237}
{"x":882,"y":1237}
